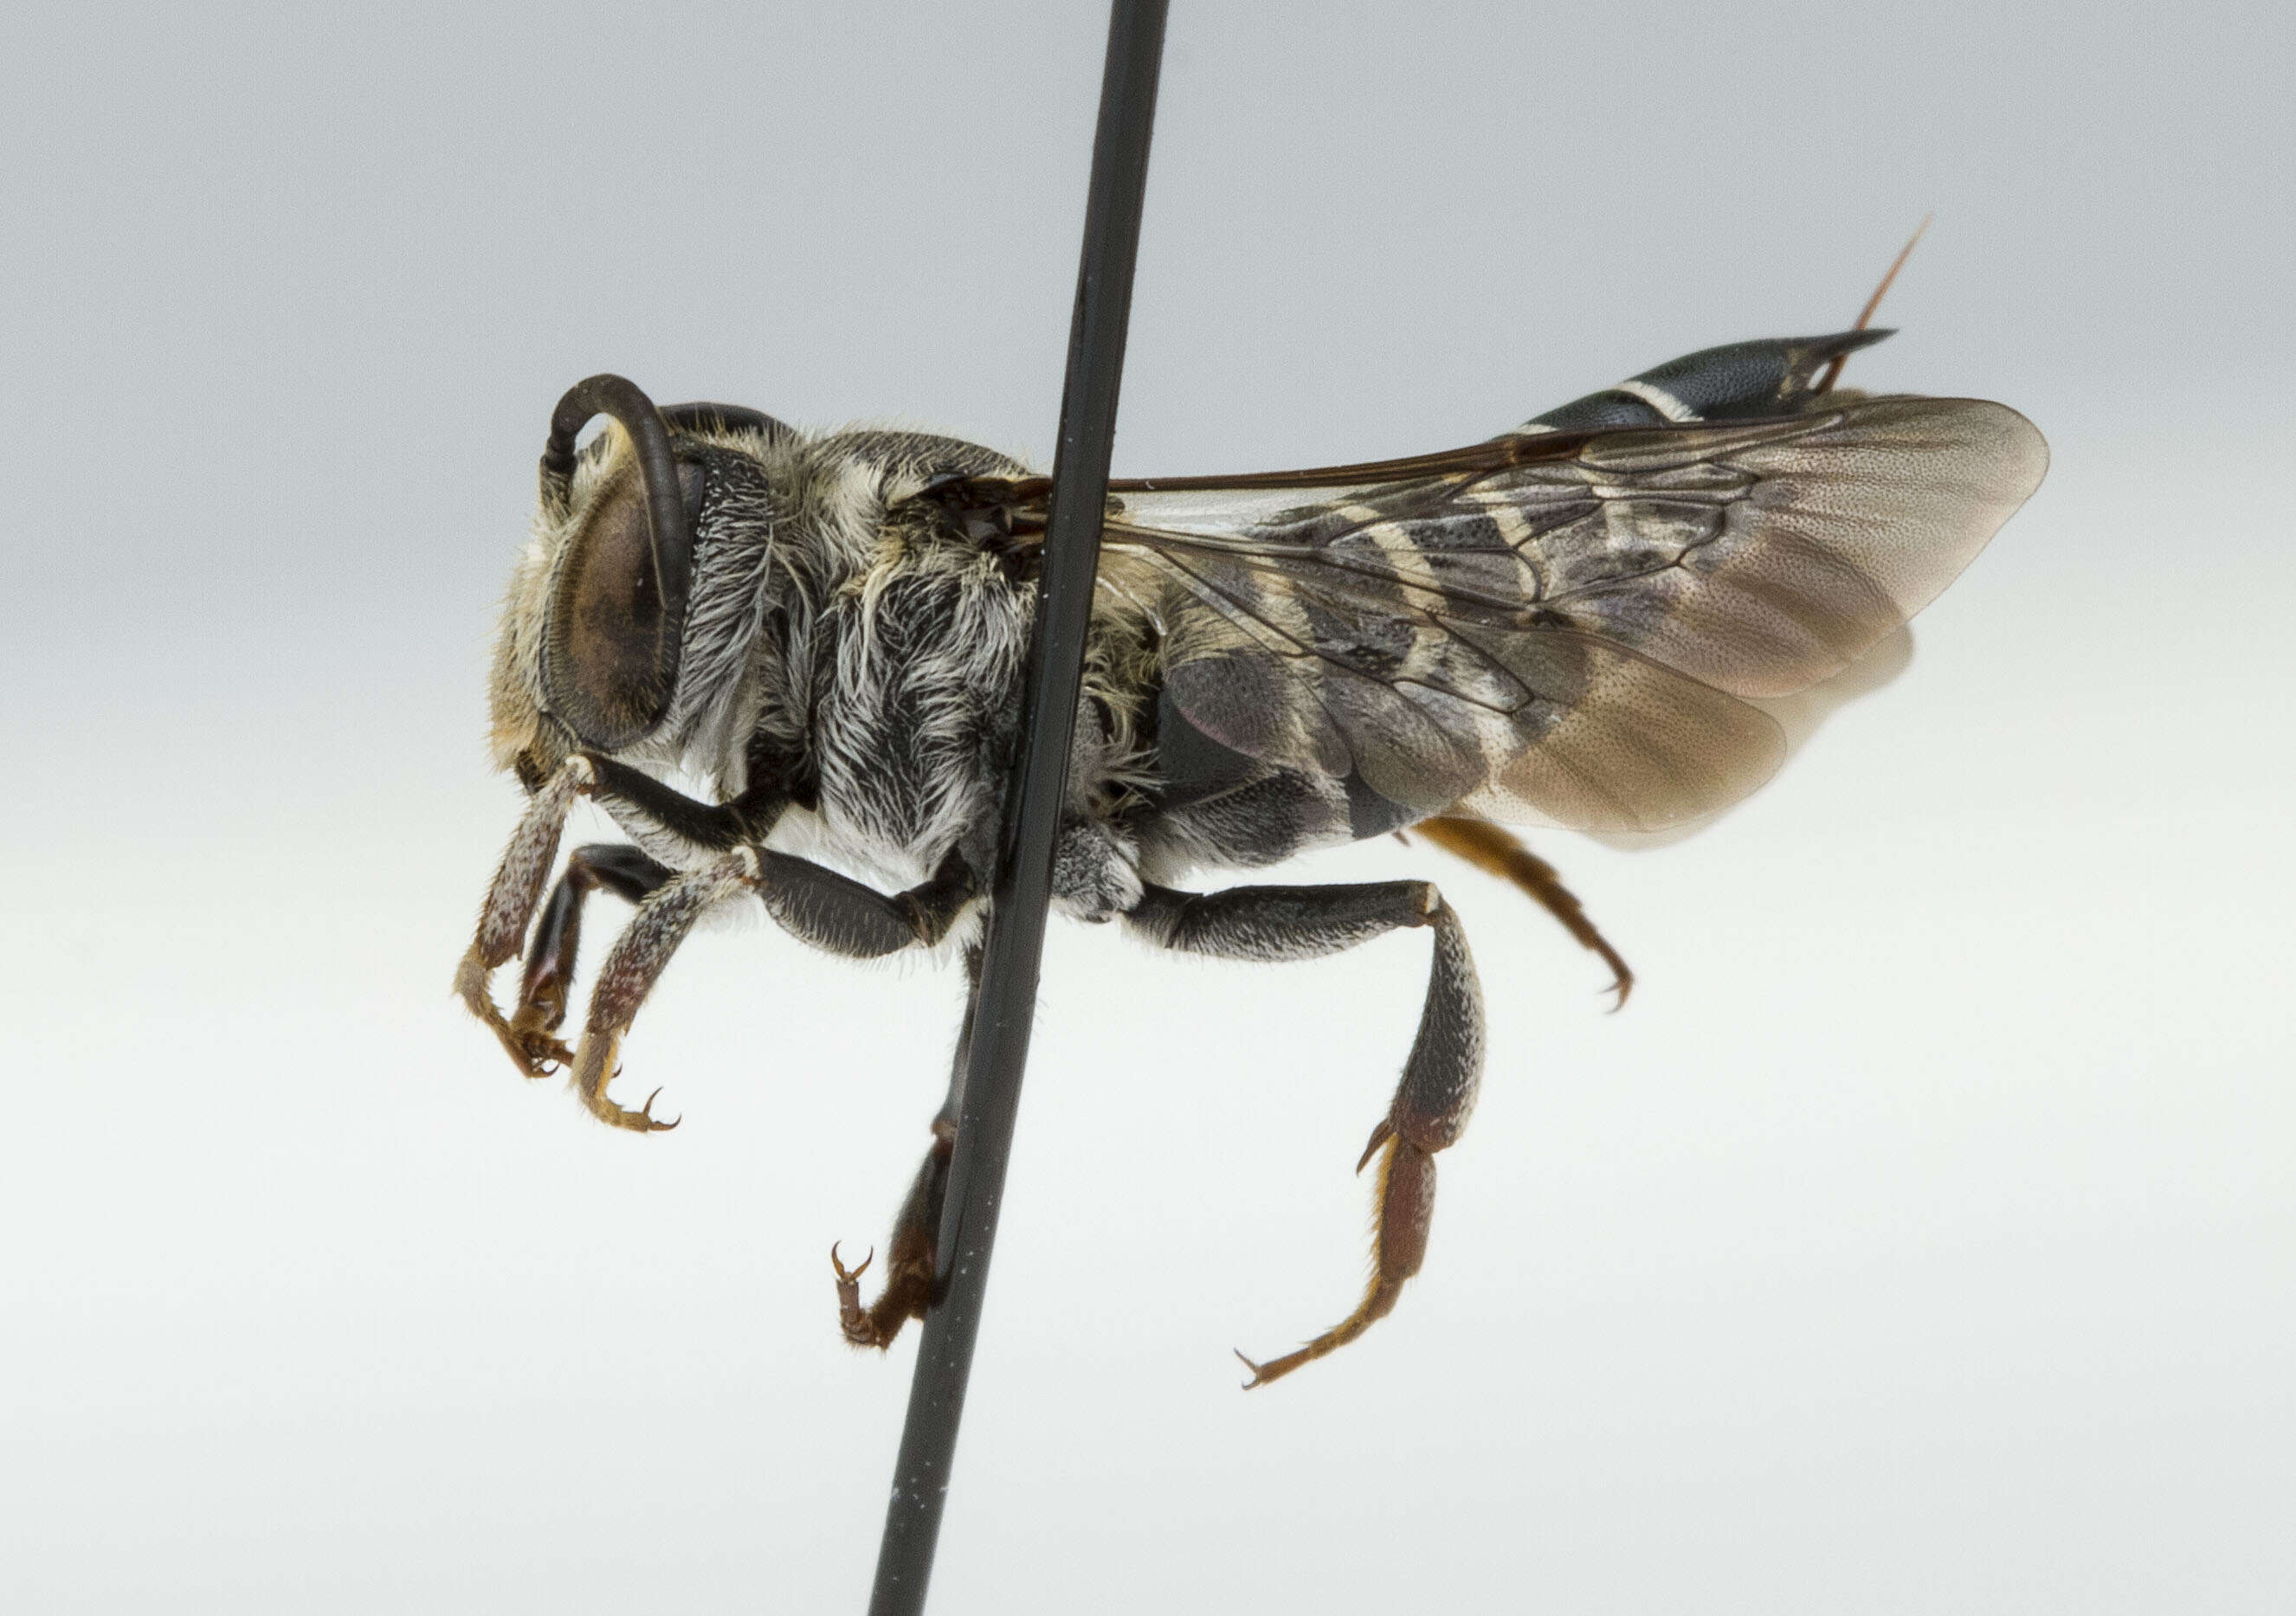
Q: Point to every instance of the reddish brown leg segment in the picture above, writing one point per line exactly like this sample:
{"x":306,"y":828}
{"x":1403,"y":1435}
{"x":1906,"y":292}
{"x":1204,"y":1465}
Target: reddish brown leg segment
{"x":1500,"y":852}
{"x":1404,"y":1200}
{"x":1437,"y":1093}
{"x":914,"y":1251}
{"x":909,"y":1259}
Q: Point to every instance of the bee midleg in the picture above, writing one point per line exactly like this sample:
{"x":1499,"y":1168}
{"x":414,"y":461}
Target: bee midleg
{"x":1440,"y":1080}
{"x":627,"y":872}
{"x":632,"y":967}
{"x":815,"y":904}
{"x":911,"y":1252}
{"x":841,"y":915}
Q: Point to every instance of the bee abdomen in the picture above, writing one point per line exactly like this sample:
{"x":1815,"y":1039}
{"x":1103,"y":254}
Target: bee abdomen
{"x":1769,"y":377}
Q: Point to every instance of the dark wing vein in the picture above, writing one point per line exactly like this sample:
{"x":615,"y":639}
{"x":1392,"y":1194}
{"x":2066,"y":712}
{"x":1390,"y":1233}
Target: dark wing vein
{"x":1561,"y":628}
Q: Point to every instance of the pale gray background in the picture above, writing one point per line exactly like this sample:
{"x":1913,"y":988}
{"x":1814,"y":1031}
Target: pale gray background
{"x":1921,"y":1239}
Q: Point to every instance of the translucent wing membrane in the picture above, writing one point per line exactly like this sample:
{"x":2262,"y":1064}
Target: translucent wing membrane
{"x":1572,"y":627}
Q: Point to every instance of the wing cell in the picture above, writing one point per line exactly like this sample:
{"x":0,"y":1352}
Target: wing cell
{"x":1561,"y":628}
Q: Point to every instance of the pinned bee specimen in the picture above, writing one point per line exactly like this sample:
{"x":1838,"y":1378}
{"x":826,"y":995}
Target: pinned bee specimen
{"x":1592,"y":620}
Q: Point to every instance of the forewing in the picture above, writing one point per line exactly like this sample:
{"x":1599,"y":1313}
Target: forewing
{"x":1771,"y":556}
{"x":1562,"y":630}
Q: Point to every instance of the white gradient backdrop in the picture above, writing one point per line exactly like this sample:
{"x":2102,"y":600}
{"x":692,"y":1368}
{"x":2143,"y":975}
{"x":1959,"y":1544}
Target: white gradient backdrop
{"x":1922,"y":1238}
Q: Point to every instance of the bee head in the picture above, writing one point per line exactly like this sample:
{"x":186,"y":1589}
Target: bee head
{"x":597,"y":619}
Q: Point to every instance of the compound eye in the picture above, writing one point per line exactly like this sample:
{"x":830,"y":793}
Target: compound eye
{"x":617,"y":612}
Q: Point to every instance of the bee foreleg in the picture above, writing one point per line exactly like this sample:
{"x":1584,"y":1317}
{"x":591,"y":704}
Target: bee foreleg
{"x":914,"y":1248}
{"x":549,"y":977}
{"x":511,"y":895}
{"x":645,"y":807}
{"x":1437,"y":1093}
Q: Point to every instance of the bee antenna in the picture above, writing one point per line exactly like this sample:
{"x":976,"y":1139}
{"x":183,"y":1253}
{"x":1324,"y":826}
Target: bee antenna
{"x":726,"y":418}
{"x":621,"y":399}
{"x":1866,"y":316}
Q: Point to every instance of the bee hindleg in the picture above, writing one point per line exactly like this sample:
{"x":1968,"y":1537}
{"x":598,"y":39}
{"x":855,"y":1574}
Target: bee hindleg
{"x":1497,"y":851}
{"x":912,"y":1254}
{"x":627,"y":872}
{"x":1437,"y":1093}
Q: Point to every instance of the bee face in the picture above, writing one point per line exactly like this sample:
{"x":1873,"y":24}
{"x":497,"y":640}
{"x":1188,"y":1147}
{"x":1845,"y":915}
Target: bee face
{"x":618,"y":625}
